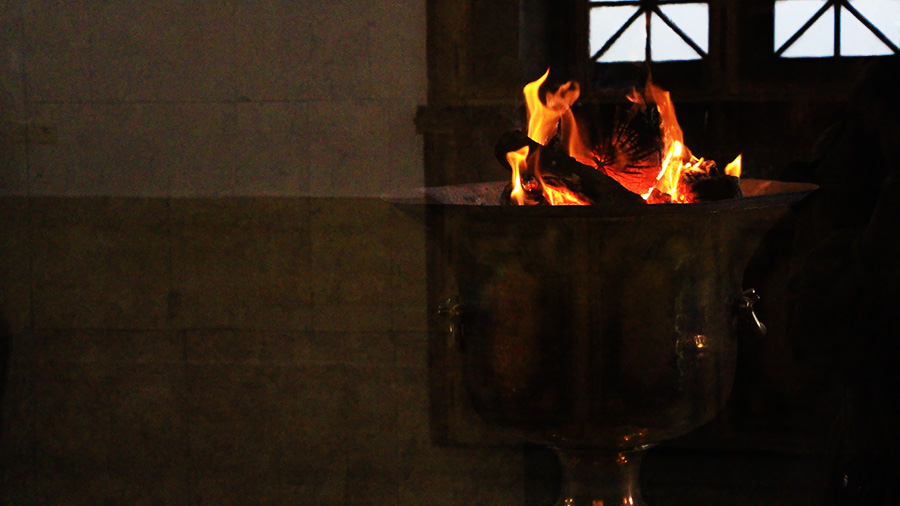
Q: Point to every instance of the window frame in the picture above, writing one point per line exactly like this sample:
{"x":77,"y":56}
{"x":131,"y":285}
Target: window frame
{"x":838,"y":6}
{"x":740,"y":65}
{"x":646,"y":8}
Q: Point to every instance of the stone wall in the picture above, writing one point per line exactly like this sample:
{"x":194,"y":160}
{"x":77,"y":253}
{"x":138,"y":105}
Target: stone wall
{"x":224,"y":351}
{"x":194,"y":316}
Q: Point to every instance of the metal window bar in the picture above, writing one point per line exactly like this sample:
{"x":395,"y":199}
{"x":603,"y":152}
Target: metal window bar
{"x":838,"y":6}
{"x":646,"y":7}
{"x":837,"y":28}
{"x":648,"y":54}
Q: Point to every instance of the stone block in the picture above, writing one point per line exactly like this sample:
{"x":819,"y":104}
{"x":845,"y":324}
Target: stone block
{"x":57,"y":51}
{"x":271,"y":62}
{"x":310,"y":422}
{"x":148,"y":427}
{"x":332,"y":348}
{"x":107,"y":149}
{"x":397,"y":29}
{"x":462,"y":476}
{"x":100,"y":263}
{"x":409,"y":280}
{"x":13,"y":163}
{"x":195,"y":149}
{"x":372,"y":483}
{"x":225,"y":346}
{"x":106,"y":347}
{"x":269,"y":147}
{"x":15,"y":266}
{"x":113,"y":486}
{"x":341,"y":51}
{"x":288,"y":348}
{"x":267,"y":487}
{"x":17,"y":410}
{"x":350,"y":148}
{"x":352,"y":252}
{"x":229,"y":412}
{"x":13,"y":168}
{"x":73,"y":409}
{"x":413,"y":424}
{"x":372,"y":414}
{"x":228,"y":149}
{"x":241,"y":263}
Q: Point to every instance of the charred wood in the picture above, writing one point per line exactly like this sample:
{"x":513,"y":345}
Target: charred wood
{"x":560,"y":170}
{"x":711,"y":186}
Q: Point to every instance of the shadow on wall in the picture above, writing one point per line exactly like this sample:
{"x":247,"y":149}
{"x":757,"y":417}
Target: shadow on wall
{"x":832,"y":277}
{"x":5,"y":337}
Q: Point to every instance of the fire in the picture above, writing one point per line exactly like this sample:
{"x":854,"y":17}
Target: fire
{"x":734,"y":168}
{"x":544,"y":121}
{"x":554,"y":116}
{"x":678,"y":159}
{"x":517,"y":162}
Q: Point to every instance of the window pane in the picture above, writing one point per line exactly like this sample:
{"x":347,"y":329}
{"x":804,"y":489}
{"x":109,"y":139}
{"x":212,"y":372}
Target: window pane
{"x":605,"y":21}
{"x":884,"y":14}
{"x":857,"y":40}
{"x":818,"y":40}
{"x":790,"y":15}
{"x":630,"y":46}
{"x":666,"y":45}
{"x":692,"y":19}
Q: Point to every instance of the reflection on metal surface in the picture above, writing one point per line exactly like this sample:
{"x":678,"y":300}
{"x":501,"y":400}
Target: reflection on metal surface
{"x":598,"y":332}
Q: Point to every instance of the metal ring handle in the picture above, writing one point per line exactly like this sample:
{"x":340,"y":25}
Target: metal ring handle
{"x":745,"y":305}
{"x":452,"y":310}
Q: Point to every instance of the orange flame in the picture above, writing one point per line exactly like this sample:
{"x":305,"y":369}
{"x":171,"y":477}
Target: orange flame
{"x":554,"y":114}
{"x":678,"y":159}
{"x":517,"y":160}
{"x":543,"y":119}
{"x":543,"y":122}
{"x":560,"y":195}
{"x":734,"y":168}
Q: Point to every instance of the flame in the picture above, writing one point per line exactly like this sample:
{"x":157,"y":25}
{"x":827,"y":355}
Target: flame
{"x":554,"y":115}
{"x":669,"y":176}
{"x":517,"y":160}
{"x":734,"y":168}
{"x":679,"y":159}
{"x":545,"y":118}
{"x":561,"y":196}
{"x":667,"y":121}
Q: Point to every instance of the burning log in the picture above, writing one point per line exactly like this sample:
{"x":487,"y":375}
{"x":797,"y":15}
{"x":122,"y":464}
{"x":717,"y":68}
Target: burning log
{"x":555,"y":163}
{"x":704,"y":183}
{"x":559,"y":170}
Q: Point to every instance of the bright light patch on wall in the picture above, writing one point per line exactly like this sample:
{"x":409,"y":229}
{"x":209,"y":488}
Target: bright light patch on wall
{"x":618,"y":31}
{"x":808,"y":28}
